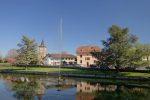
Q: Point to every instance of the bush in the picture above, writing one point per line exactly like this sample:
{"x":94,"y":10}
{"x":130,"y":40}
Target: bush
{"x":10,"y":60}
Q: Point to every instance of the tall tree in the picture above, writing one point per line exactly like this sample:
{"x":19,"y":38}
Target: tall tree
{"x":116,"y":48}
{"x":11,"y":56}
{"x":135,"y":56}
{"x":12,"y":53}
{"x":146,"y":51}
{"x":145,"y":48}
{"x":27,"y":52}
{"x":1,"y":58}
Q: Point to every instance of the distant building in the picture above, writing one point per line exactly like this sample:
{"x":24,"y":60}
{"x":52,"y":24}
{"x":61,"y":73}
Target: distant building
{"x":84,"y":57}
{"x":42,"y":51}
{"x":55,"y":59}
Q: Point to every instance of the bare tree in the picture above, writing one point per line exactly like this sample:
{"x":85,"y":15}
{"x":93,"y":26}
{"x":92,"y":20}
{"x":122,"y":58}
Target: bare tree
{"x":11,"y":56}
{"x":12,"y":53}
{"x":1,"y":58}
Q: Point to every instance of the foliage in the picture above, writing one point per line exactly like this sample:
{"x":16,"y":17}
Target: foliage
{"x":12,"y":53}
{"x":25,"y":90}
{"x":125,"y":93}
{"x":118,"y":49}
{"x":139,"y":55}
{"x":27,"y":52}
{"x":11,"y":60}
{"x":1,"y":58}
{"x":146,"y":54}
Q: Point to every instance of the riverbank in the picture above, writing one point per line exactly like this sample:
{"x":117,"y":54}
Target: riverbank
{"x":69,"y":72}
{"x":62,"y":74}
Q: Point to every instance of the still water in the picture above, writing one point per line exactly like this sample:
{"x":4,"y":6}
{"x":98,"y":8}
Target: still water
{"x":35,"y":87}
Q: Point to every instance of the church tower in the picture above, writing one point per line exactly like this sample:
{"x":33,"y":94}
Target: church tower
{"x":42,"y":50}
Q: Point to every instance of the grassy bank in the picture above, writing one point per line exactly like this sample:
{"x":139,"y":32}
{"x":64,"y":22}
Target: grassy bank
{"x":5,"y":67}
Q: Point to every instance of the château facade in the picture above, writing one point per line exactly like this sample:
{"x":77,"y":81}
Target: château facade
{"x":84,"y":57}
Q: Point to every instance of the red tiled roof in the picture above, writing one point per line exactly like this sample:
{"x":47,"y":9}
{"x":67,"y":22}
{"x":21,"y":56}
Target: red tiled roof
{"x":61,"y":55}
{"x":87,"y":49}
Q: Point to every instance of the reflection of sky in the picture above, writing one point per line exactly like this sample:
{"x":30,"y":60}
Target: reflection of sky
{"x":68,"y":91}
{"x":4,"y":93}
{"x":53,"y":94}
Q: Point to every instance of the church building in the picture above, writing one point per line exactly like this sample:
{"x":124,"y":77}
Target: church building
{"x":54,"y":59}
{"x":42,"y":51}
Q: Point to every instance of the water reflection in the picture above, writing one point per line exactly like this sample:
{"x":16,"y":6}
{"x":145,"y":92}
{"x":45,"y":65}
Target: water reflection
{"x":25,"y":88}
{"x":35,"y":87}
{"x":97,"y":91}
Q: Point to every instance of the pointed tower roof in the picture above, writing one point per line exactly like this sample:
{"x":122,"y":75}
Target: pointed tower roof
{"x":42,"y":44}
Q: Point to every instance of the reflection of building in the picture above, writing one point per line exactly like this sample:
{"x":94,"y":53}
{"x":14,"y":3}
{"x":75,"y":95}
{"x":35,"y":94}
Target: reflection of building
{"x":85,"y":96}
{"x":90,"y":88}
{"x":87,"y":91}
{"x":55,"y":59}
{"x":42,"y":51}
{"x":84,"y":57}
{"x":86,"y":87}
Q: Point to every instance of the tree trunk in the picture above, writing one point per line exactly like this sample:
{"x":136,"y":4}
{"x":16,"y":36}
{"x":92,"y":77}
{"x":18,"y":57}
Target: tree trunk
{"x":117,"y":69}
{"x":26,"y":67}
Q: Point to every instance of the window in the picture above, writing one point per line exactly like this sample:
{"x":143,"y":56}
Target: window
{"x":80,"y":90}
{"x":88,"y":88}
{"x":80,"y":85}
{"x":80,"y":56}
{"x":87,"y":58}
{"x":81,"y":61}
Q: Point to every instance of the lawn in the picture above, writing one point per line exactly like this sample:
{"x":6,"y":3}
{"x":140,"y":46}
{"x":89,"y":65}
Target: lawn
{"x":69,"y":70}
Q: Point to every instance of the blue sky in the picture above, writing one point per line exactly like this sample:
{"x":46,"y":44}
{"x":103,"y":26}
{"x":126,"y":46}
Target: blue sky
{"x":85,"y":22}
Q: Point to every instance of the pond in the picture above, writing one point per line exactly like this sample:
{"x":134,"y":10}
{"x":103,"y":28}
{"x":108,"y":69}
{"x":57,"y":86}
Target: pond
{"x":38,"y":87}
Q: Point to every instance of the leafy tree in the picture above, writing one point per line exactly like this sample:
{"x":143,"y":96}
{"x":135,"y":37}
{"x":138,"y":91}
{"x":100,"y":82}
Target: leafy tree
{"x":27,"y":52}
{"x":135,"y":56}
{"x":146,"y":51}
{"x":116,"y":48}
{"x":145,"y":48}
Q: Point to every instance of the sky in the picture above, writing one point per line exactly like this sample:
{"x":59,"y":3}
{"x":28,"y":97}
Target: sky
{"x":85,"y":22}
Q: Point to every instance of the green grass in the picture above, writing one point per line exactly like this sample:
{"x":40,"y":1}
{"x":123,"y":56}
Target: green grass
{"x":69,"y":70}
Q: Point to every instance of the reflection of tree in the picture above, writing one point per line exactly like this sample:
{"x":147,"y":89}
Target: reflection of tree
{"x":125,"y":93}
{"x":28,"y":90}
{"x":101,"y":91}
{"x":25,"y":90}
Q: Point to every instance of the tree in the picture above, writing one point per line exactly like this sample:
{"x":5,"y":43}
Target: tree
{"x":12,"y":53}
{"x":146,"y":51}
{"x":11,"y":56}
{"x":116,"y":48}
{"x":1,"y":58}
{"x":135,"y":56}
{"x":145,"y":48}
{"x":27,"y":52}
